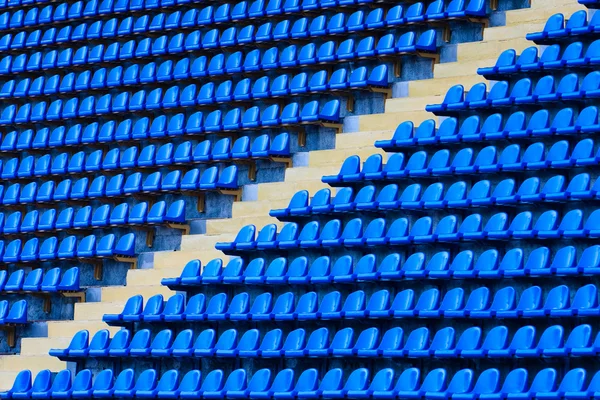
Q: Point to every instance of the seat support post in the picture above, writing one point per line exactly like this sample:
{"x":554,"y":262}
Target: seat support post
{"x":10,"y":334}
{"x":201,"y":202}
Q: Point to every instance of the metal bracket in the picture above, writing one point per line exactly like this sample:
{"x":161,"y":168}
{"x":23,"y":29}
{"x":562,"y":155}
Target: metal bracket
{"x":237,"y":193}
{"x":285,"y":160}
{"x":79,"y":296}
{"x":387,"y":92}
{"x":128,"y":260}
{"x":337,"y":127}
{"x":182,"y":227}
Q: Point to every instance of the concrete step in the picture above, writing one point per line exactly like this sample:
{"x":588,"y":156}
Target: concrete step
{"x":255,"y":208}
{"x":414,"y":102}
{"x":232,"y":226}
{"x":16,"y":363}
{"x":328,"y":158}
{"x":178,"y":259}
{"x":478,"y":50}
{"x":310,"y":173}
{"x":361,"y":139}
{"x":285,"y":190}
{"x":7,"y":379}
{"x":120,"y":294}
{"x":461,"y":69}
{"x":540,"y":12}
{"x":439,"y":87}
{"x":391,"y":120}
{"x":151,"y":276}
{"x":512,"y":31}
{"x":67,"y":329}
{"x":202,"y":242}
{"x":95,"y":311}
{"x":541,"y":4}
{"x":41,"y":346}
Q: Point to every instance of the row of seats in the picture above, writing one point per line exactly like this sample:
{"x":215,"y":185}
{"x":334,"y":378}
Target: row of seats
{"x":516,"y":127}
{"x":223,"y":150}
{"x":133,"y":158}
{"x":18,"y":251}
{"x":191,"y":95}
{"x":523,"y":92}
{"x":70,"y":12}
{"x":528,"y":62}
{"x":127,"y":130}
{"x":435,"y":196}
{"x":284,"y":30}
{"x":126,"y":102}
{"x":235,"y":119}
{"x":209,"y":41}
{"x":9,"y":4}
{"x":419,"y":343}
{"x":358,"y":385}
{"x":86,"y":218}
{"x":289,"y":57}
{"x":356,"y":233}
{"x":38,"y":281}
{"x":467,"y":161}
{"x":556,"y":28}
{"x":480,"y":304}
{"x":490,"y":264}
{"x":120,"y":186}
{"x":15,"y":314}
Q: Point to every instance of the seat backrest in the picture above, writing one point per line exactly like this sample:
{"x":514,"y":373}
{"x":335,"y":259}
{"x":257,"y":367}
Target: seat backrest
{"x":544,"y":381}
{"x":207,"y":339}
{"x":531,"y":298}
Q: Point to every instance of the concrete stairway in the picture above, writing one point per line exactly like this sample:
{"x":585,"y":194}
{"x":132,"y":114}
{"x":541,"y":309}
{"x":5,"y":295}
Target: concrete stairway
{"x":276,"y":195}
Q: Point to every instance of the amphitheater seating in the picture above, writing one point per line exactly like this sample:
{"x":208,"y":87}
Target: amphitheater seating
{"x":556,"y":29}
{"x":289,"y":57}
{"x":554,"y":58}
{"x":36,"y":281}
{"x":251,"y":118}
{"x":63,"y":13}
{"x":205,"y":95}
{"x":136,"y":159}
{"x":224,"y":13}
{"x":436,"y":196}
{"x":356,"y":233}
{"x":141,"y":216}
{"x":480,"y":303}
{"x":516,"y":127}
{"x":499,"y":186}
{"x":95,"y":134}
{"x":321,"y":26}
{"x":89,"y":249}
{"x":437,"y":384}
{"x":516,"y":263}
{"x":499,"y":342}
{"x":523,"y":92}
{"x":49,"y":249}
{"x":119,"y":186}
{"x":489,"y":160}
